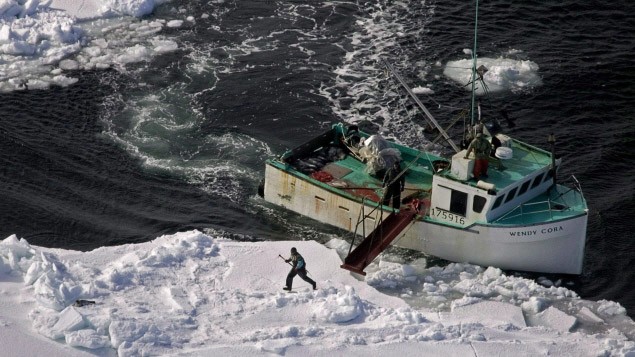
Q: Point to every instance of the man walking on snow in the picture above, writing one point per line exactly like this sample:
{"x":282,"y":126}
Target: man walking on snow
{"x":298,"y":268}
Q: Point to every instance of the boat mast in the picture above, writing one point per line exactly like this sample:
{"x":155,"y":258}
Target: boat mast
{"x":472,"y":122}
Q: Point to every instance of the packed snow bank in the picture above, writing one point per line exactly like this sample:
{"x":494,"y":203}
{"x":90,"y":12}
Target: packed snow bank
{"x":194,"y":294}
{"x":40,"y":41}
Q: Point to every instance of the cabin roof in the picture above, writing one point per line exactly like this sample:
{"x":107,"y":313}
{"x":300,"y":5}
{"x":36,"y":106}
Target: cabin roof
{"x":526,"y":159}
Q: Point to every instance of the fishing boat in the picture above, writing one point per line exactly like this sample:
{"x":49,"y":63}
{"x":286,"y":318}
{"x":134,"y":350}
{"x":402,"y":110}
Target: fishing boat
{"x":518,"y":216}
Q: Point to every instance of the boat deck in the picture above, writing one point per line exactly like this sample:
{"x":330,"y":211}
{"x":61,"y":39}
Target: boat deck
{"x":349,"y":174}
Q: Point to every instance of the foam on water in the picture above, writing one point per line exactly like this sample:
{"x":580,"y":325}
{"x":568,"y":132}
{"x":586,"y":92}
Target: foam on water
{"x":172,"y":130}
{"x":163,"y":130}
{"x":363,"y":89}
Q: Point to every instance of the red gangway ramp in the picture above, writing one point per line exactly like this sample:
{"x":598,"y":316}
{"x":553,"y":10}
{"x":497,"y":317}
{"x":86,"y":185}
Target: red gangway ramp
{"x":377,"y":241}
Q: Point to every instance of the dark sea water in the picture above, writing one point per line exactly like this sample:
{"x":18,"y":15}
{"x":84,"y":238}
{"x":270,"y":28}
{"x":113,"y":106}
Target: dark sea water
{"x":179,"y":143}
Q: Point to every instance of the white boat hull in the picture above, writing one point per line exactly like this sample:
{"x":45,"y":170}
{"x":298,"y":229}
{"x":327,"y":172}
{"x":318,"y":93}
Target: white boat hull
{"x":554,"y":247}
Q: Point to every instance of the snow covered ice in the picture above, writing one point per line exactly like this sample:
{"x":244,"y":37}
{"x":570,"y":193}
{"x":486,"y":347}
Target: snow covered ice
{"x":41,"y":42}
{"x":200,"y":295}
{"x":502,"y":74}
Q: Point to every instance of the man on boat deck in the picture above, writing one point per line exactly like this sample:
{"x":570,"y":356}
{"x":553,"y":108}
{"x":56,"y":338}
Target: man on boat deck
{"x":298,"y":268}
{"x":395,"y":183}
{"x":482,"y":149}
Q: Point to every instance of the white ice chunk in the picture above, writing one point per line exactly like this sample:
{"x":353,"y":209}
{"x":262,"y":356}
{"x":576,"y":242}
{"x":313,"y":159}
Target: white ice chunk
{"x":502,"y":74}
{"x":588,"y":314}
{"x":69,"y":320}
{"x":63,"y":81}
{"x":87,"y":338}
{"x":9,"y":8}
{"x":161,"y":46}
{"x":133,"y":54}
{"x":491,"y":312}
{"x":611,"y":308}
{"x":36,"y":35}
{"x":5,"y":33}
{"x":534,"y":304}
{"x":191,"y":294}
{"x":556,"y":319}
{"x":342,"y":307}
{"x":174,"y":23}
{"x":422,"y":90}
{"x":69,"y":65}
{"x":136,"y":8}
{"x":126,"y":331}
{"x":278,"y":346}
{"x":29,"y":7}
{"x":18,"y":48}
{"x":81,"y":9}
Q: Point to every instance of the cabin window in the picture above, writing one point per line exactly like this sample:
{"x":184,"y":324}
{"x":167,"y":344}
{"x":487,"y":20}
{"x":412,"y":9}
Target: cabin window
{"x":478,"y":203}
{"x":523,"y":188}
{"x":498,"y":202}
{"x":511,"y":194}
{"x":458,"y":202}
{"x":451,"y":200}
{"x":537,"y":180}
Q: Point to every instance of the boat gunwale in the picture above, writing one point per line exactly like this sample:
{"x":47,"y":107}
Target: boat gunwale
{"x":287,"y":168}
{"x":339,"y":130}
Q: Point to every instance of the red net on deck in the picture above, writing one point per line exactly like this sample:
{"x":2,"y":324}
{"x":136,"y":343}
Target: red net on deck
{"x":322,"y":176}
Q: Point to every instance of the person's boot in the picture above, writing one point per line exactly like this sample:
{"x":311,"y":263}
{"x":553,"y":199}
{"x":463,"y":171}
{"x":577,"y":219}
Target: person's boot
{"x":287,"y":288}
{"x":314,"y":286}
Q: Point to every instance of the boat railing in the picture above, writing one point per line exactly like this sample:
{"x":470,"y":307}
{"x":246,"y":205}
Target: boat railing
{"x":523,"y":210}
{"x":563,"y":201}
{"x":362,"y":218}
{"x":572,"y":195}
{"x":577,"y":186}
{"x":310,"y":146}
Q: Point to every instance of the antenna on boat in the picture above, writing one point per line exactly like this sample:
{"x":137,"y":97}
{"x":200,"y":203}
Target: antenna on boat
{"x":474,"y":70}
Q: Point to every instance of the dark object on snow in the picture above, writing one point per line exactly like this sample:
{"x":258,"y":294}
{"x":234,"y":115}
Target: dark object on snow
{"x":80,"y":303}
